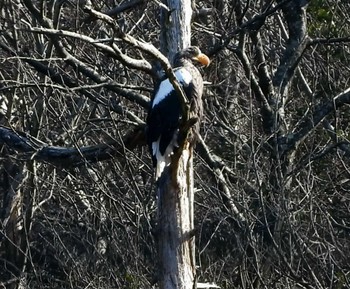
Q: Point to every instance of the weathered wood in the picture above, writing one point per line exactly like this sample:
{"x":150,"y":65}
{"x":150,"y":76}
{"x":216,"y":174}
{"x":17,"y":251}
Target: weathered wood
{"x":175,"y":187}
{"x":175,"y":223}
{"x":176,"y":26}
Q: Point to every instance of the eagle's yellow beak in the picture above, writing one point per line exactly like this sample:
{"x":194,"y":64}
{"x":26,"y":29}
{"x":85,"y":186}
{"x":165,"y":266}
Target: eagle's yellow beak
{"x":203,"y":59}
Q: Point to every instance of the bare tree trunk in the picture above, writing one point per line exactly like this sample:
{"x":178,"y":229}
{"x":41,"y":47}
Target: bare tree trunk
{"x":175,"y":187}
{"x":175,"y":221}
{"x":176,"y":26}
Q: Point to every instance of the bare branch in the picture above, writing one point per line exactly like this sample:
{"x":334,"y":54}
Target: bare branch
{"x":308,"y":125}
{"x":266,"y":109}
{"x":35,"y":149}
{"x":124,"y":6}
{"x":295,"y":14}
{"x":328,"y":41}
{"x":258,"y":19}
{"x":139,"y":64}
{"x":217,"y":169}
{"x":265,"y":81}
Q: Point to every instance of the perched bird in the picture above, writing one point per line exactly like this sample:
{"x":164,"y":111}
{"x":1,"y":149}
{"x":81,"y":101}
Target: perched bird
{"x":165,"y":111}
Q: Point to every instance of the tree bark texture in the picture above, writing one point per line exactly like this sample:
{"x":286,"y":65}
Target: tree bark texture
{"x":175,"y":187}
{"x":175,"y":223}
{"x":176,"y":26}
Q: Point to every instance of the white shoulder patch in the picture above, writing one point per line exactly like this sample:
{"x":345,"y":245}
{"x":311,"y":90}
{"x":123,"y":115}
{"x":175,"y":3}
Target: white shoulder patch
{"x":182,"y":75}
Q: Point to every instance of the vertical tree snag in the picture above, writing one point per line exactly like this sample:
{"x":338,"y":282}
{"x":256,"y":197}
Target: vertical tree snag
{"x":176,"y":26}
{"x":175,"y":187}
{"x":175,"y":221}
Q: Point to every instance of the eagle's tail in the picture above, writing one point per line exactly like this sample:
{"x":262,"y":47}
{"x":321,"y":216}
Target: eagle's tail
{"x":163,"y":160}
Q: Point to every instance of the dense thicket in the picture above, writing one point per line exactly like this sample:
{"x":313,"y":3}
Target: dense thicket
{"x":272,"y":171}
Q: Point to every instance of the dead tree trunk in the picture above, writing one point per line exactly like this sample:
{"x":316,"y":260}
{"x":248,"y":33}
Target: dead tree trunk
{"x":175,"y":221}
{"x":176,"y":26}
{"x":175,"y":187}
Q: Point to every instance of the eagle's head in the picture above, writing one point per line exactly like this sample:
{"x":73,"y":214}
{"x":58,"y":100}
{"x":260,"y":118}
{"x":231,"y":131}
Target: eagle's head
{"x":193,"y":54}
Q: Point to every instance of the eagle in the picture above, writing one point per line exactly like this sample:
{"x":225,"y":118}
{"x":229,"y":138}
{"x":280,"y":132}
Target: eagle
{"x":165,"y":112}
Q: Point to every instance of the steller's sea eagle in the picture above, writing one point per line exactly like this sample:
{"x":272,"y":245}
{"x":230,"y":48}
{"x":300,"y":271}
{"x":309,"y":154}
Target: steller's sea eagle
{"x":165,"y":111}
